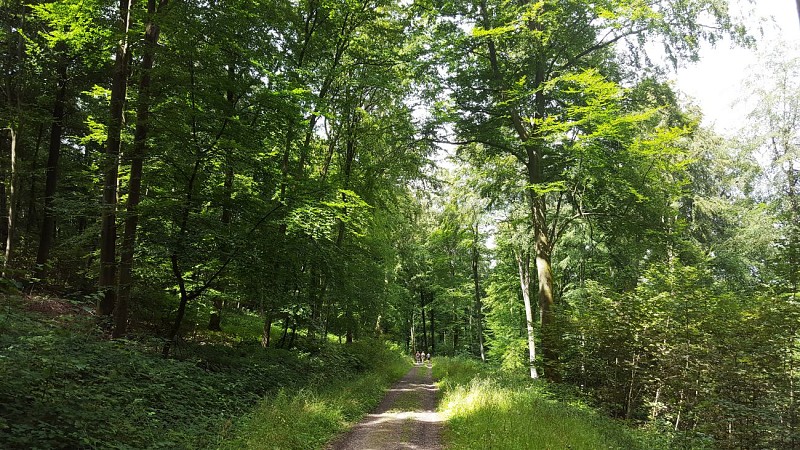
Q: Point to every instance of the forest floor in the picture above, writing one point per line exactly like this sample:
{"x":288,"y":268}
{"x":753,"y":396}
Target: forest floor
{"x":406,"y":418}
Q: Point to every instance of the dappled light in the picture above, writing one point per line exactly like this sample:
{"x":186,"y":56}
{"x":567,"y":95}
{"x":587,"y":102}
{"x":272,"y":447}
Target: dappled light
{"x":358,"y":224}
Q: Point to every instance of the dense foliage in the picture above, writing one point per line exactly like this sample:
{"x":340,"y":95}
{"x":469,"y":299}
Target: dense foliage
{"x":64,"y":386}
{"x":182,"y":165}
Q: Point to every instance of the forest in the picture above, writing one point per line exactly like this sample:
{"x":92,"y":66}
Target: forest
{"x":214,"y":211}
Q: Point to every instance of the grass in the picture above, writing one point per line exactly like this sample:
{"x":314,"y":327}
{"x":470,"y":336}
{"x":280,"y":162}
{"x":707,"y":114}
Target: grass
{"x":64,"y":384}
{"x":488,"y":409}
{"x":309,"y":418}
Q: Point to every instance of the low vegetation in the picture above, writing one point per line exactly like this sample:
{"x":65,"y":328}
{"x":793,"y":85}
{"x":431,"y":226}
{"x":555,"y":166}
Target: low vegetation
{"x":63,"y":385}
{"x":490,"y":409}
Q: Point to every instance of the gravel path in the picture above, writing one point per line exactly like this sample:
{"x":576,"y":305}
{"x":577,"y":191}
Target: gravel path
{"x":405,"y":419}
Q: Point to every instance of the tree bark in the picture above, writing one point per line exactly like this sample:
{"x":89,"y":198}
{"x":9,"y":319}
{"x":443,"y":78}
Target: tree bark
{"x":433,"y":335}
{"x":350,"y":325}
{"x":266,"y":333}
{"x":285,"y":331}
{"x":14,"y":93}
{"x":108,"y":226}
{"x":545,"y":294}
{"x":137,"y":155}
{"x":523,"y":266}
{"x":424,"y":325}
{"x":12,"y":197}
{"x":535,"y":175}
{"x":51,"y":171}
{"x":477,"y":284}
{"x":30,"y":216}
{"x":215,"y":318}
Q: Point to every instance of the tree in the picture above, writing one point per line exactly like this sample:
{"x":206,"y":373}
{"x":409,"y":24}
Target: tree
{"x":108,"y":229}
{"x":512,"y":84}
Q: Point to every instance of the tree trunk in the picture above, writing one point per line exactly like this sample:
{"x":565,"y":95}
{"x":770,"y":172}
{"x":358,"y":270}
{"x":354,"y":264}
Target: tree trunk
{"x":542,"y":244}
{"x":350,"y":325}
{"x":51,"y":171}
{"x":108,"y":227}
{"x":3,"y":208}
{"x":177,"y":271}
{"x":523,"y":266}
{"x":294,"y":332}
{"x":412,"y":336}
{"x":266,"y":333}
{"x":477,"y":284}
{"x":176,"y":326}
{"x":135,"y":184}
{"x":15,"y":131}
{"x":30,"y":217}
{"x":546,"y":306}
{"x":12,"y":199}
{"x":285,"y":331}
{"x":215,"y":319}
{"x":424,"y":325}
{"x":534,"y":164}
{"x":433,"y":335}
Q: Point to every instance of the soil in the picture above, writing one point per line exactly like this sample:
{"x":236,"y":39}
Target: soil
{"x":406,"y":418}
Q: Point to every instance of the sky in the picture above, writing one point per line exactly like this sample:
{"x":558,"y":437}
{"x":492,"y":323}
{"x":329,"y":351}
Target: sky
{"x":715,"y":82}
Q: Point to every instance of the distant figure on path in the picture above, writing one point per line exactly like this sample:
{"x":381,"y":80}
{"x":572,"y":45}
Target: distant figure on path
{"x":428,"y":357}
{"x":416,"y":358}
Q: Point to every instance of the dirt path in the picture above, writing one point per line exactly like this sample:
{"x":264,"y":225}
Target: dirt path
{"x":406,"y":418}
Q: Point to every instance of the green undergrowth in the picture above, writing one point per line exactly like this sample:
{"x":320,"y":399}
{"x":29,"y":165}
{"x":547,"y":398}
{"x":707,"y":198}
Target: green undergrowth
{"x":309,"y":418}
{"x":493,"y":409}
{"x":64,"y":384}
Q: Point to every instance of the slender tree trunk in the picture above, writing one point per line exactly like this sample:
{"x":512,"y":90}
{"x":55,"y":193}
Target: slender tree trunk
{"x":350,"y":325}
{"x":285,"y":331}
{"x":477,"y":284}
{"x":523,"y":266}
{"x":455,"y":328}
{"x":177,"y":271}
{"x":3,"y":207}
{"x":108,"y":226}
{"x":12,"y":198}
{"x":215,"y":319}
{"x":409,"y":330}
{"x":137,"y":155}
{"x":350,"y":154}
{"x":424,"y":330}
{"x":51,"y":171}
{"x":30,"y":216}
{"x":294,"y":332}
{"x":176,"y":325}
{"x":266,"y":333}
{"x":15,"y":130}
{"x":433,"y":335}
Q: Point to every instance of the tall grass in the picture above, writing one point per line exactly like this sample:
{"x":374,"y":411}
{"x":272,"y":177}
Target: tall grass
{"x":310,"y":417}
{"x":494,"y":410}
